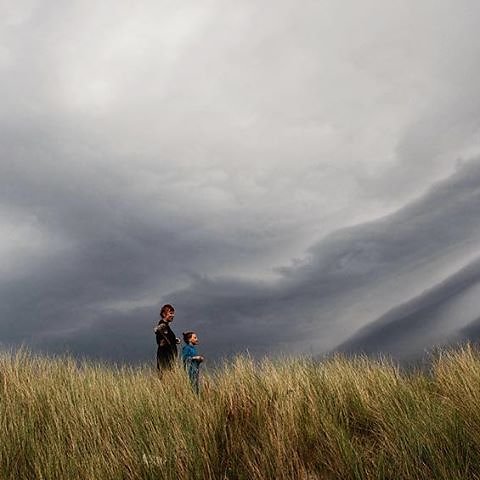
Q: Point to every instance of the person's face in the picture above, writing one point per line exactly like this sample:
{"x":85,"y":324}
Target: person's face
{"x":194,"y":339}
{"x":169,"y":315}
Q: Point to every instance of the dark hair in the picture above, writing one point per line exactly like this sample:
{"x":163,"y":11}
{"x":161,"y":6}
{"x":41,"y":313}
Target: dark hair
{"x":187,"y":336}
{"x":166,"y":308}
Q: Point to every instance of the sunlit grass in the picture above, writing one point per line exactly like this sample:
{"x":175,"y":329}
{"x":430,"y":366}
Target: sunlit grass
{"x":283,"y":419}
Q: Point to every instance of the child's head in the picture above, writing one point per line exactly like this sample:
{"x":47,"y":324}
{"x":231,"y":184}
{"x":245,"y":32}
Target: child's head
{"x":190,"y":337}
{"x":167,"y":312}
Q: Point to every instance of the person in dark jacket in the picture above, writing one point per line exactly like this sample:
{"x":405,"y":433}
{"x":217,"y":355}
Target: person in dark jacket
{"x":166,"y":339}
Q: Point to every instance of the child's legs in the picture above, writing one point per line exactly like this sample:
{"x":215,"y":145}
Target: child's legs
{"x":194,"y":381}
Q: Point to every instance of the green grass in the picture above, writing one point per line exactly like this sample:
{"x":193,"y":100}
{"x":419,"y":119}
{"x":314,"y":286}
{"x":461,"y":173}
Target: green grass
{"x":291,"y":419}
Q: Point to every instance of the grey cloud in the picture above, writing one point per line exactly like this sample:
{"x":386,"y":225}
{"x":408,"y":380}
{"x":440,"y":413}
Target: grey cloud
{"x":250,"y":85}
{"x":352,"y":277}
{"x":356,"y":274}
{"x":470,"y":333}
{"x":151,"y":152}
{"x":439,"y":316}
{"x":349,"y":278}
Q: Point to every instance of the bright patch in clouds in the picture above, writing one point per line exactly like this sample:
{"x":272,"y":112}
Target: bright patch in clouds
{"x":24,"y":244}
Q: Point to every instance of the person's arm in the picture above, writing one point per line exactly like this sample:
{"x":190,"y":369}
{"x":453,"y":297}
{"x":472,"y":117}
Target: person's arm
{"x":161,"y":333}
{"x":188,"y":355}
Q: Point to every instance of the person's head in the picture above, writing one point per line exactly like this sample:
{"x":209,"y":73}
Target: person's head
{"x":167,"y":312}
{"x":190,"y":337}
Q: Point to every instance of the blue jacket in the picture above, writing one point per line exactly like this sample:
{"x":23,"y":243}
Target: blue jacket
{"x":192,"y":366}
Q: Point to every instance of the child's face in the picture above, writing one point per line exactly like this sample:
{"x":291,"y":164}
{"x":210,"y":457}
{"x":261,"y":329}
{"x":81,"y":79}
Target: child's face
{"x":169,"y":314}
{"x":194,"y":339}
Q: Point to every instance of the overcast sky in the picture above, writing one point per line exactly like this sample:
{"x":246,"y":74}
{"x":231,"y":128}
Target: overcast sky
{"x":286,"y":173}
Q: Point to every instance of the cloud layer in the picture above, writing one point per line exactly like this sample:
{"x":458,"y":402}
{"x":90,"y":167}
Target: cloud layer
{"x":345,"y":281}
{"x":274,"y":172}
{"x":445,"y":314}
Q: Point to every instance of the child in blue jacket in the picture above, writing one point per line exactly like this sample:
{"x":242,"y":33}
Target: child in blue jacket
{"x":191,"y":358}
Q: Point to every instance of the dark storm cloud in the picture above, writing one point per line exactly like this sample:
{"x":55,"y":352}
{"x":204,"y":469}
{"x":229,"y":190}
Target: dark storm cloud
{"x":442,"y":315}
{"x":101,"y":244}
{"x":345,"y":281}
{"x":152,"y":152}
{"x":470,"y":333}
{"x":355,"y":274}
{"x":352,"y":277}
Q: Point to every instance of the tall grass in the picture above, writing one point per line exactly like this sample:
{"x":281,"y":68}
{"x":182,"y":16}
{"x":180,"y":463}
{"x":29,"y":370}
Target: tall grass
{"x":291,"y":419}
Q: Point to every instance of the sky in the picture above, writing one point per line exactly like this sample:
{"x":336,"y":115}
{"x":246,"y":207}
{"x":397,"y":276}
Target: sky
{"x":295,"y":177}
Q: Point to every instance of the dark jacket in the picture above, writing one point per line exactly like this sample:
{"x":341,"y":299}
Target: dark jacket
{"x":166,"y":341}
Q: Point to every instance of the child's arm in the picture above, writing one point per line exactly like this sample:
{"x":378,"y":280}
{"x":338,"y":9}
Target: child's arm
{"x":188,"y":355}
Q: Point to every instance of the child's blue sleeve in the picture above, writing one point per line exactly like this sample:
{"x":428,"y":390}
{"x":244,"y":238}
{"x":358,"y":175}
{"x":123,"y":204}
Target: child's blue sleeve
{"x":187,"y":353}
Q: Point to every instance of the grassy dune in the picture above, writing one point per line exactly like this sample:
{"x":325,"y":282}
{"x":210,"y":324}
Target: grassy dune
{"x":296,"y":419}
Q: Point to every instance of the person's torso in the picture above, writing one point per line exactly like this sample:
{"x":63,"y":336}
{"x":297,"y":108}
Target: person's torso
{"x":165,"y":337}
{"x":189,"y":351}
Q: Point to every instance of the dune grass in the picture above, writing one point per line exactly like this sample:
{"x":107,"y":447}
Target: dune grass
{"x":291,"y":419}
